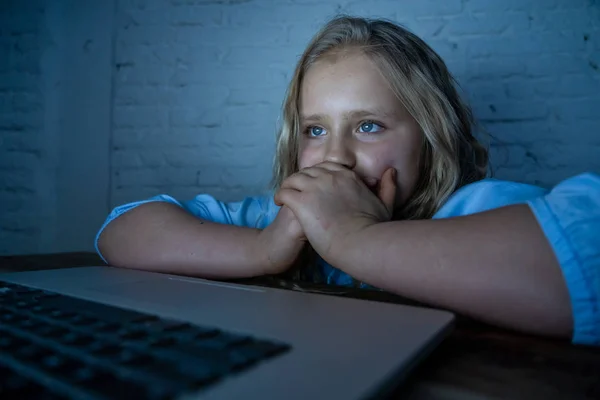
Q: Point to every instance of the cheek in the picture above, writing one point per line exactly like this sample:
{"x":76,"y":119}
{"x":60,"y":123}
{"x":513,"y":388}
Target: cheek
{"x":308,"y":155}
{"x":405,"y":159}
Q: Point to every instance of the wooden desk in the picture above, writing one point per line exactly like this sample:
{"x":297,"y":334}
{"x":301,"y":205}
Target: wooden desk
{"x":476,"y":362}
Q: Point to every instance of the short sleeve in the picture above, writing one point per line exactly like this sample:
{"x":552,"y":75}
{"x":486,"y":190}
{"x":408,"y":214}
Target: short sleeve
{"x":252,"y":212}
{"x":486,"y":195}
{"x":570,"y":218}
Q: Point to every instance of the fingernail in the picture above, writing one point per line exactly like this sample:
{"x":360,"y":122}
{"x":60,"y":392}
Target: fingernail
{"x":394,"y":174}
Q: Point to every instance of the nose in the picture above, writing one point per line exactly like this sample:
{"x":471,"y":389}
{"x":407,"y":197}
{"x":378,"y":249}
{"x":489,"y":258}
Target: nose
{"x":339,"y":150}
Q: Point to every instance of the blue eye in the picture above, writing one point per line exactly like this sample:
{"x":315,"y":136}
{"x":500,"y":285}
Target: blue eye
{"x":370,"y":127}
{"x":315,"y":131}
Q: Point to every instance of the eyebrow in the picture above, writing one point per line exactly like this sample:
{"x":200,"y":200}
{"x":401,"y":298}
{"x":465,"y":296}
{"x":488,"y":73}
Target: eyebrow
{"x":348,"y":115}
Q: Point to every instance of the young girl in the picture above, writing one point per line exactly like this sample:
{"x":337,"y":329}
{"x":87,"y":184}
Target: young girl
{"x":378,"y":172}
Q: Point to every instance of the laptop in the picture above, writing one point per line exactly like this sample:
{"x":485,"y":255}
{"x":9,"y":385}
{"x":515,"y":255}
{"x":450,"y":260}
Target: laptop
{"x":104,"y":332}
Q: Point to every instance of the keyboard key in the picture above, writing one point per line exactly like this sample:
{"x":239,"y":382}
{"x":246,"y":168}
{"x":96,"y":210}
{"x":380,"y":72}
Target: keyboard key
{"x":133,"y":358}
{"x":163,"y":325}
{"x":33,"y":353}
{"x":111,"y":352}
{"x":76,"y":339}
{"x":133,"y":334}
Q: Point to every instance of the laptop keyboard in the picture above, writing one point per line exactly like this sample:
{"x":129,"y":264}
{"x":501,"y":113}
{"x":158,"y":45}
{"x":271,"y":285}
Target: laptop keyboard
{"x":54,"y":346}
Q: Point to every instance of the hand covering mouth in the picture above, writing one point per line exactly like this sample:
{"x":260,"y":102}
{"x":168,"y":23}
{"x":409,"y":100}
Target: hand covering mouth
{"x":372,"y":184}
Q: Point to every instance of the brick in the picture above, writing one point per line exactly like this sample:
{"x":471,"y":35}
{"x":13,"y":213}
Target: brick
{"x":270,"y":96}
{"x":132,"y":159}
{"x":260,"y":114}
{"x":250,"y":77}
{"x":484,"y":25}
{"x":138,"y":74}
{"x":195,"y":118}
{"x":557,"y":20}
{"x":198,"y":95}
{"x":28,"y":42}
{"x":372,"y":9}
{"x":20,"y":121}
{"x":145,"y":17}
{"x":496,"y":68}
{"x":193,"y":157}
{"x":425,"y":28}
{"x":23,"y":22}
{"x":211,"y":176}
{"x":20,"y":223}
{"x":23,"y":102}
{"x":138,"y":96}
{"x":196,"y":16}
{"x":495,"y":7}
{"x":427,"y":8}
{"x":13,"y":202}
{"x":252,"y":15}
{"x":26,"y":141}
{"x":279,"y":56}
{"x":19,"y":81}
{"x":163,"y":176}
{"x":569,"y":86}
{"x":512,"y":155}
{"x":572,"y":155}
{"x":577,"y":109}
{"x":554,"y":42}
{"x":139,"y":117}
{"x":15,"y":160}
{"x":255,"y":176}
{"x":487,"y":91}
{"x":146,"y":35}
{"x":521,"y":89}
{"x":27,"y":62}
{"x":544,"y":65}
{"x":584,"y":132}
{"x":297,"y":36}
{"x":208,"y":2}
{"x":190,"y":56}
{"x":142,"y":5}
{"x":18,"y":181}
{"x":158,"y":138}
{"x":225,"y":36}
{"x":511,"y":111}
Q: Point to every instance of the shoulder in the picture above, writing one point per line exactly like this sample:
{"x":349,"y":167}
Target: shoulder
{"x":487,"y":194}
{"x":569,"y":216}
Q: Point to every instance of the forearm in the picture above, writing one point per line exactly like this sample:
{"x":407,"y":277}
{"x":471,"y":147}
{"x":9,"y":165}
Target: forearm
{"x":163,"y":237}
{"x":495,"y":266}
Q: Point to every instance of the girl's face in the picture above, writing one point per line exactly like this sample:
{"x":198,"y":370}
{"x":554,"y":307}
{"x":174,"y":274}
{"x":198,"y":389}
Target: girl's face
{"x":349,"y":115}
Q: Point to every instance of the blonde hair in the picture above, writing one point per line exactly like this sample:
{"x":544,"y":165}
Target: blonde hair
{"x":451,"y":156}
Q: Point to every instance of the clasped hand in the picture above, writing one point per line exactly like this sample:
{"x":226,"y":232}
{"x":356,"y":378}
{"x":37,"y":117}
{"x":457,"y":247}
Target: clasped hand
{"x":328,"y":205}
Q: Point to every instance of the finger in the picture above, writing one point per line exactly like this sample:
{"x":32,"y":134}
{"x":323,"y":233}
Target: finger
{"x":287,"y":197}
{"x":298,"y":181}
{"x":332,"y":167}
{"x":387,"y":189}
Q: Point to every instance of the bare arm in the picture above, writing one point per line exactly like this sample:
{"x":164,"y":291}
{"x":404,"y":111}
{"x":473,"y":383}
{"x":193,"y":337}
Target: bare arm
{"x":162,"y":237}
{"x":496,"y":266}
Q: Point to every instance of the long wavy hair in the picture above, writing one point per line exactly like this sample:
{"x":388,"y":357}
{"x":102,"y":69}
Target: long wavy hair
{"x":451,"y":155}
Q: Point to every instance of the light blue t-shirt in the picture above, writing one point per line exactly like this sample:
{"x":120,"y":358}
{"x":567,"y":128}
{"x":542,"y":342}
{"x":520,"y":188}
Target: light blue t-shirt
{"x":569,"y":215}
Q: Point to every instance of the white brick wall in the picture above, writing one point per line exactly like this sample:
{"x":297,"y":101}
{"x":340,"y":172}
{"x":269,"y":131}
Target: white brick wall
{"x":22,"y":154}
{"x":197,"y":87}
{"x":55,"y":107}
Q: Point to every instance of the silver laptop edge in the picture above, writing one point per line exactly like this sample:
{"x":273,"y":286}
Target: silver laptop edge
{"x":342,"y":348}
